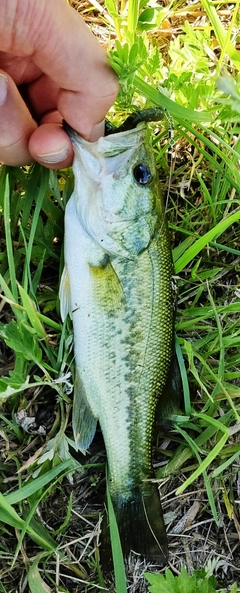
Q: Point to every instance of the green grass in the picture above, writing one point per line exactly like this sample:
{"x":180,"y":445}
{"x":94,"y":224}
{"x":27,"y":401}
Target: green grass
{"x":183,"y":75}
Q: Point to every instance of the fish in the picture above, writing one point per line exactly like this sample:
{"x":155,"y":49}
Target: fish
{"x":117,"y":288}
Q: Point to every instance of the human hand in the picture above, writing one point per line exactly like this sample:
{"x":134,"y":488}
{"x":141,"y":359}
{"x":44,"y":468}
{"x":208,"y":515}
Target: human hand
{"x":51,"y":67}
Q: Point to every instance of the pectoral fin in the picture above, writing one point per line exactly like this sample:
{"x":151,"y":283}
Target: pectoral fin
{"x":107,"y":287}
{"x":83,"y":422}
{"x":64,"y":295}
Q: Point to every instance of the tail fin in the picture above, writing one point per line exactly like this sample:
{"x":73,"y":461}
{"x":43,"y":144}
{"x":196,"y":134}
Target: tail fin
{"x":140,"y":524}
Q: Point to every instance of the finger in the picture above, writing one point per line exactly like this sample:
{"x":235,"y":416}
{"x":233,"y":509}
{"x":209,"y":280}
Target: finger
{"x":97,"y":131}
{"x":50,"y":146}
{"x":88,"y":86}
{"x":78,"y":64}
{"x":16,"y":124}
{"x":52,"y":117}
{"x":21,"y":70}
{"x":43,"y":95}
{"x":85,"y":112}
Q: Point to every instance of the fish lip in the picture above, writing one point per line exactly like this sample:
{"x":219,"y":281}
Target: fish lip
{"x":140,"y":116}
{"x":69,"y":130}
{"x":75,"y":137}
{"x":133,"y":121}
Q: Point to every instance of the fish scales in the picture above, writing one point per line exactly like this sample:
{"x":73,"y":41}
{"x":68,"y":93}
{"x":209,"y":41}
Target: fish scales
{"x":117,"y":288}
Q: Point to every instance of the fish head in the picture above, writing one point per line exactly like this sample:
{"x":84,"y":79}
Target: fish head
{"x":116,"y":190}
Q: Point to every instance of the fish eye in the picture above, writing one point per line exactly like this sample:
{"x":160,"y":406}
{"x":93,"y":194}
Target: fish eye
{"x":143,"y":174}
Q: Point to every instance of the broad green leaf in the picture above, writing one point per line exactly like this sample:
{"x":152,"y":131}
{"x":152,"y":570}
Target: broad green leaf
{"x":198,"y":582}
{"x":9,"y":388}
{"x":19,"y":337}
{"x":111,"y":7}
{"x":146,"y":15}
{"x":32,"y":313}
{"x":35,"y":581}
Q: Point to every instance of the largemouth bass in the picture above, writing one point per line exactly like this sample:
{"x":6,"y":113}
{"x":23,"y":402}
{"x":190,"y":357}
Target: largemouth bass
{"x":117,"y":288}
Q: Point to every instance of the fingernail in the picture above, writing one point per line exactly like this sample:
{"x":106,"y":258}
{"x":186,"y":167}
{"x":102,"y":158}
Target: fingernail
{"x":54,"y":157}
{"x":3,"y":88}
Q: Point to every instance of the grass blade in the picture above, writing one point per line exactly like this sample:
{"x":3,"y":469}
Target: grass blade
{"x":35,"y":581}
{"x":204,"y":465}
{"x":9,"y":515}
{"x":183,"y":373}
{"x":177,"y":111}
{"x":195,"y":249}
{"x":133,"y":10}
{"x":7,"y":226}
{"x":118,"y":562}
{"x":65,"y":466}
{"x":220,"y":32}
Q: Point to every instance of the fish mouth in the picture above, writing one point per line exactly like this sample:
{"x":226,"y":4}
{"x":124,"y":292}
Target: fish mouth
{"x":109,"y":129}
{"x":132,"y":121}
{"x":69,"y":130}
{"x":135,"y":118}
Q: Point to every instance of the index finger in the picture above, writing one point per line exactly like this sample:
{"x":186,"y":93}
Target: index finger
{"x":63,"y":47}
